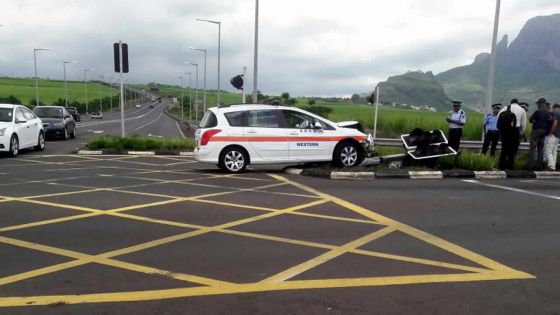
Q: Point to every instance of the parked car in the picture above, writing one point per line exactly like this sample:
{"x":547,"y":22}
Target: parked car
{"x":57,"y":122}
{"x":96,"y":115}
{"x":20,"y":128}
{"x":138,"y":106}
{"x":235,"y":136}
{"x":74,"y":112}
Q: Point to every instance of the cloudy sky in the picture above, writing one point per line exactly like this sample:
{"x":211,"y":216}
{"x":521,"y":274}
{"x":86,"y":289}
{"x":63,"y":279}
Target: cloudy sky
{"x":307,"y":47}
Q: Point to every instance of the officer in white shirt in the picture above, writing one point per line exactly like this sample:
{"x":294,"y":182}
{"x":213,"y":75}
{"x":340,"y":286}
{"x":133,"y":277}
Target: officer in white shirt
{"x":457,"y":121}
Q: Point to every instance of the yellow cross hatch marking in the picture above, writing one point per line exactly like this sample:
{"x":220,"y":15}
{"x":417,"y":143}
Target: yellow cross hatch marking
{"x":488,"y":270}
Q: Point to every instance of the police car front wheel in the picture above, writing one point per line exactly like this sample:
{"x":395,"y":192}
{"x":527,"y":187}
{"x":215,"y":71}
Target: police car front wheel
{"x":233,"y":160}
{"x":347,"y":154}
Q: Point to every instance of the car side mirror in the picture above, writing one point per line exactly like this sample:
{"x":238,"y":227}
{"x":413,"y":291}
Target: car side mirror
{"x":67,"y":117}
{"x":19,"y":121}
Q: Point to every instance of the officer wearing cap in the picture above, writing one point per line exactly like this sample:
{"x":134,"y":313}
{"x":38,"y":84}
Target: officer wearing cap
{"x":457,"y":121}
{"x":491,"y":132}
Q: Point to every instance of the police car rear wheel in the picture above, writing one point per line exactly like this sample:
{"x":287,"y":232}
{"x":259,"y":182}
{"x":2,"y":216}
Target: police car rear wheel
{"x":234,"y":160}
{"x":347,"y":154}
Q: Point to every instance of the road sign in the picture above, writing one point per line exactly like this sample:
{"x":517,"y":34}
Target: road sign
{"x":116,"y":54}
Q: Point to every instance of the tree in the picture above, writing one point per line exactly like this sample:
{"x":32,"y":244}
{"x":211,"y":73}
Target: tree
{"x":285,"y":97}
{"x":311,"y":102}
{"x":356,"y":98}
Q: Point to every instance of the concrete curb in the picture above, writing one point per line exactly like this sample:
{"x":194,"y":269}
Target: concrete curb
{"x":451,"y":174}
{"x":134,"y":153}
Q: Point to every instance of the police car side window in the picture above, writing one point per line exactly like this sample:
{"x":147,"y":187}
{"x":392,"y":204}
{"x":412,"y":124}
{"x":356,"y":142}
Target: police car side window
{"x":209,"y":120}
{"x":297,"y":120}
{"x":263,"y":119}
{"x":237,"y":119}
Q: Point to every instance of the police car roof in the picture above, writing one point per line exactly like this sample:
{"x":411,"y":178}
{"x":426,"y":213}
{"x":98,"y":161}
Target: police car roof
{"x":240,"y":107}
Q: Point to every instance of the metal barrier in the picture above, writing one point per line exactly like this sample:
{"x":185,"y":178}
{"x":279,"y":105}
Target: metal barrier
{"x":384,"y":142}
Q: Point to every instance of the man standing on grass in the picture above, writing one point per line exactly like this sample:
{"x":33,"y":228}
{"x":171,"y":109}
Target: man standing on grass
{"x":456,"y":121}
{"x":542,"y":122}
{"x":512,"y":130}
{"x":553,"y":139}
{"x":491,"y":132}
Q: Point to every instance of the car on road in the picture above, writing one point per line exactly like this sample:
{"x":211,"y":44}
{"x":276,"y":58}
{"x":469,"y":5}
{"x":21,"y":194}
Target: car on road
{"x":151,"y":106}
{"x":74,"y":112}
{"x":96,"y":115}
{"x":138,"y":106}
{"x":235,"y":136}
{"x":20,"y":128}
{"x":57,"y":122}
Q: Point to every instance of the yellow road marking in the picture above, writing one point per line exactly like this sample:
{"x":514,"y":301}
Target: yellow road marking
{"x":244,"y":288}
{"x":423,"y":236}
{"x":496,"y":271}
{"x":332,"y":254}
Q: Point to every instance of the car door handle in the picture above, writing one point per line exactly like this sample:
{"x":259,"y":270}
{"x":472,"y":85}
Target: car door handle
{"x":28,"y":127}
{"x":294,"y":133}
{"x":252,"y":131}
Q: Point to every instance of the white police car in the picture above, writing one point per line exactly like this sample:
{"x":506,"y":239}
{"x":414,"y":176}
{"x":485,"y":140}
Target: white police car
{"x":235,"y":136}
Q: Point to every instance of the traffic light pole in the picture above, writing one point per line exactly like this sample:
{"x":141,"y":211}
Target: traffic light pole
{"x":122,"y":87}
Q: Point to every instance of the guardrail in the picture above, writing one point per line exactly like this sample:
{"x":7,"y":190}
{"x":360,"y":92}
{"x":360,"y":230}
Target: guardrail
{"x":384,"y":142}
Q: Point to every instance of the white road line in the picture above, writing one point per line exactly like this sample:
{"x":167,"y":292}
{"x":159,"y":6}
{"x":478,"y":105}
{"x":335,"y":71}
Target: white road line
{"x":151,"y":122}
{"x":513,"y":189}
{"x":180,"y":131}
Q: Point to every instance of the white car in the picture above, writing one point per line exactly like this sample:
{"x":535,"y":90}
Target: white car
{"x":235,"y":136}
{"x":138,"y":106}
{"x":20,"y":128}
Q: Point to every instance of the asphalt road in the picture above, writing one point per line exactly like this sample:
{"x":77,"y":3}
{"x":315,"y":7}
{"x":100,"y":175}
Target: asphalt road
{"x":165,"y":235}
{"x":142,"y":121}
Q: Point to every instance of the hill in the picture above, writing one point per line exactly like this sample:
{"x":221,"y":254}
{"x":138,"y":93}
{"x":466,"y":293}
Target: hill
{"x":527,"y":69}
{"x":414,"y":88}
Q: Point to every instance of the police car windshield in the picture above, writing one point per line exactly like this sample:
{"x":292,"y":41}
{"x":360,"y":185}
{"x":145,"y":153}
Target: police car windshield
{"x":48,"y":112}
{"x":6,"y":114}
{"x":209,"y":120}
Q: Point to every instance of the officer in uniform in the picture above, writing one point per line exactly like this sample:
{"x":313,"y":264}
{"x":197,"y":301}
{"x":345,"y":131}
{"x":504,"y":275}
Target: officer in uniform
{"x":491,"y":132}
{"x":457,"y":121}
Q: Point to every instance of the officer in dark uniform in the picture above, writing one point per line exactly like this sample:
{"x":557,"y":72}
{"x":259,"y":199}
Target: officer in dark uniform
{"x":491,"y":132}
{"x":457,"y":121}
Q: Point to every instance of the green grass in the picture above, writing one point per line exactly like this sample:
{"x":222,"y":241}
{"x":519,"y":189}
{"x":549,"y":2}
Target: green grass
{"x":469,"y":161}
{"x":137,"y":143}
{"x":394,"y":122}
{"x":52,"y":90}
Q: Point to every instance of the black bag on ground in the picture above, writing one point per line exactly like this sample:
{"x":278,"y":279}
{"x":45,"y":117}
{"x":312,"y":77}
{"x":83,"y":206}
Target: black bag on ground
{"x":507,"y":121}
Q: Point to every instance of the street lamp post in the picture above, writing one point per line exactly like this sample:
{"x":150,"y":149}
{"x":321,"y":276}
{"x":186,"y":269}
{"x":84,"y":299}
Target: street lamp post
{"x":492,"y":67}
{"x":195,"y":91}
{"x":85,"y":84}
{"x":35,"y":50}
{"x":100,"y":95}
{"x":256,"y":61}
{"x":219,"y":52}
{"x":110,"y":79}
{"x":64,"y":63}
{"x":204,"y":97}
{"x":182,"y":98}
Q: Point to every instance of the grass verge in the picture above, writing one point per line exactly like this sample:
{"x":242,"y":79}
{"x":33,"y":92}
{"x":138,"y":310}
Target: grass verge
{"x":138,"y":143}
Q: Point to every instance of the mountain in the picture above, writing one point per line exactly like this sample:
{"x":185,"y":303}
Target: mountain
{"x":414,"y":88}
{"x":527,"y":69}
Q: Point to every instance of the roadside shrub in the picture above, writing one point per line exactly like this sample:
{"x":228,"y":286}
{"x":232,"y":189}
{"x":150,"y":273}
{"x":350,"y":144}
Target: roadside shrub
{"x":138,"y":143}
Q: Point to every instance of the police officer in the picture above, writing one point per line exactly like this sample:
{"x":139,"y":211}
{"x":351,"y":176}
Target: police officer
{"x":491,"y":132}
{"x":457,"y":121}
